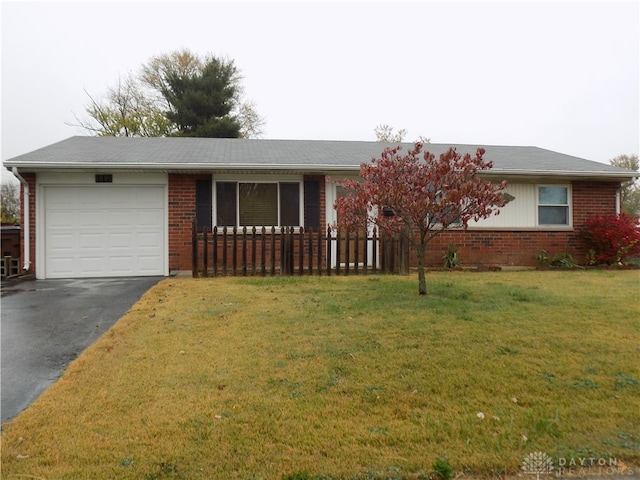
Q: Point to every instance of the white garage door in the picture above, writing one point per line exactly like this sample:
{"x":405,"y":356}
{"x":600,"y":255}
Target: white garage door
{"x":104,"y":231}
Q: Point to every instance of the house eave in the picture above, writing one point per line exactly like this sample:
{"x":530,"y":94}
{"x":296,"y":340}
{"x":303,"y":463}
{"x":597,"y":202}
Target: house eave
{"x":180,"y":167}
{"x":303,"y":168}
{"x":564,"y":174}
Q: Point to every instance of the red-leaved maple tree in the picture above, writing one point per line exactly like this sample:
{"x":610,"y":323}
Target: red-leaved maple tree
{"x":419,"y":194}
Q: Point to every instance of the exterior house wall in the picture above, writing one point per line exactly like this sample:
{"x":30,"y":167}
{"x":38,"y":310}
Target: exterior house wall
{"x":477,"y":246}
{"x":520,"y":247}
{"x":31,"y":181}
{"x":481,"y":245}
{"x":182,"y":207}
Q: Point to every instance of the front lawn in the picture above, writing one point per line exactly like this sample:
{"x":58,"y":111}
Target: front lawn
{"x":347,"y":377}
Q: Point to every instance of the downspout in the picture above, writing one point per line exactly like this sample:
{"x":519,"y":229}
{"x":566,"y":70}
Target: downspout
{"x":25,"y":220}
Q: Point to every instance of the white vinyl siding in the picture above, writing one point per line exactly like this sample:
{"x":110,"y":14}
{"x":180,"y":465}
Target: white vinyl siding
{"x":518,"y":213}
{"x":523,"y":210}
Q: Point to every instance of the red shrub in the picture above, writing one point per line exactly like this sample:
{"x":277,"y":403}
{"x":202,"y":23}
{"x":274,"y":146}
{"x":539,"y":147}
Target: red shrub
{"x":613,"y":238}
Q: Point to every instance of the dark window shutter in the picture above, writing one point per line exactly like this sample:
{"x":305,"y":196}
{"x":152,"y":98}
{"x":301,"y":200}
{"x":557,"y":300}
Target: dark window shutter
{"x":204,"y":203}
{"x":312,"y":204}
{"x":290,"y":204}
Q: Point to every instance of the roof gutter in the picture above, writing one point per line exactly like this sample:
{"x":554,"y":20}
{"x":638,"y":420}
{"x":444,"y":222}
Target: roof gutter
{"x":300,"y":167}
{"x":25,"y":221}
{"x":182,"y":166}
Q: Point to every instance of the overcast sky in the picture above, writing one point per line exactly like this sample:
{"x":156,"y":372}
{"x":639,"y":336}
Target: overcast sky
{"x":557,"y":75}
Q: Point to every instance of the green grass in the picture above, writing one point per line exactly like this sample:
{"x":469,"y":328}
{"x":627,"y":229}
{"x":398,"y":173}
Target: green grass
{"x":350,"y":378}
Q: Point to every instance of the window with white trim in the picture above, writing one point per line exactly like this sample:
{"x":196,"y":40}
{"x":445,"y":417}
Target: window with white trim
{"x":258,"y":204}
{"x":554,"y":205}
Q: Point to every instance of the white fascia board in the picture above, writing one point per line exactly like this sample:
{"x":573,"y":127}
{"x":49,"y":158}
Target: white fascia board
{"x":31,"y":166}
{"x":181,"y":166}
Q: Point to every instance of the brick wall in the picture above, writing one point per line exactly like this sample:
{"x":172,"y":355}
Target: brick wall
{"x":182,"y":206}
{"x":520,"y":247}
{"x":31,"y":181}
{"x":181,"y":210}
{"x":475,"y":247}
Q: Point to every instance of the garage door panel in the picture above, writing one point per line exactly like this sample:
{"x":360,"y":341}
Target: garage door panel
{"x":87,"y":241}
{"x":64,"y":265}
{"x":120,"y":241}
{"x":146,"y":264}
{"x":92,"y":266}
{"x":61,"y":242}
{"x":149,"y":198}
{"x":122,"y":265}
{"x":122,"y":219}
{"x":90,"y":218}
{"x":149,"y":218}
{"x":149,"y":241}
{"x":62,"y":219}
{"x":104,"y":231}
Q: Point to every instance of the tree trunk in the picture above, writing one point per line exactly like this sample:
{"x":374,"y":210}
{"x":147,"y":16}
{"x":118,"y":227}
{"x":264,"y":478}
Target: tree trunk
{"x":422,"y":282}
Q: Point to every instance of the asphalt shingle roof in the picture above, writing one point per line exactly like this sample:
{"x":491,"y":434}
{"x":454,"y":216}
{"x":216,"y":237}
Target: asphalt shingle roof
{"x":218,"y":153}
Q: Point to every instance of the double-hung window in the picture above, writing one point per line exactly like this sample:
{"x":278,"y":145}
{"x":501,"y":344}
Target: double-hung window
{"x":258,"y":204}
{"x":553,"y":205}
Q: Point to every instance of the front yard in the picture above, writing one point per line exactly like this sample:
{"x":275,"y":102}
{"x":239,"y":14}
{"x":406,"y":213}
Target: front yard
{"x":347,"y":377}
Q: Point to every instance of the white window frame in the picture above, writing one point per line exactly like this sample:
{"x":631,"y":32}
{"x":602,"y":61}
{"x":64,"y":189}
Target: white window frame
{"x":568,"y":205}
{"x":238,"y":180}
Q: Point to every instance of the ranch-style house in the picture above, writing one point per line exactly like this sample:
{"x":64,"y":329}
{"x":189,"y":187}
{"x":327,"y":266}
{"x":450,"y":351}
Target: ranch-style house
{"x":114,"y":206}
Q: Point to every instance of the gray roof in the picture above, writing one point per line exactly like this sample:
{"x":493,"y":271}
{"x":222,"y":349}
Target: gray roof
{"x":185,"y":154}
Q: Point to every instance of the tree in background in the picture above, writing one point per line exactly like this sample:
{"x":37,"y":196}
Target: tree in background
{"x":177,"y":93}
{"x":630,"y":190}
{"x":419,"y":194}
{"x":126,"y":111}
{"x":10,"y":202}
{"x":385,"y":133}
{"x":201,"y":103}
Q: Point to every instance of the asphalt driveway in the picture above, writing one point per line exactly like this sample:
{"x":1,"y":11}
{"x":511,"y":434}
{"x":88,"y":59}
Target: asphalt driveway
{"x":47,"y":323}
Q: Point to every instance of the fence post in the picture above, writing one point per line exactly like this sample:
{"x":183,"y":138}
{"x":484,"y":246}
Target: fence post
{"x":319,"y":252}
{"x":214,"y":241}
{"x":205,"y":253}
{"x":347,"y":253}
{"x":273,"y":251}
{"x":329,"y":251}
{"x":253,"y":251}
{"x":356,"y":254}
{"x":365,"y":251}
{"x":224,"y":251}
{"x":338,"y":252}
{"x":263,"y":251}
{"x":194,"y":248}
{"x":374,"y":253}
{"x":244,"y":251}
{"x":284,"y":247}
{"x":300,"y":249}
{"x":234,"y":251}
{"x":289,"y":254}
{"x":310,"y":241}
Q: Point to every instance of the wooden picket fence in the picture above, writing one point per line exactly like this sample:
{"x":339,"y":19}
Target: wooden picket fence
{"x":289,"y":251}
